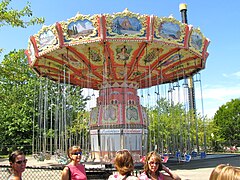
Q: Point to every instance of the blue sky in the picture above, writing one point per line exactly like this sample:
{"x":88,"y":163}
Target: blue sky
{"x":218,"y":20}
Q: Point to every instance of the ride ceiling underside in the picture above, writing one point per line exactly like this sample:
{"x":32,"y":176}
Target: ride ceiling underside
{"x":125,"y":47}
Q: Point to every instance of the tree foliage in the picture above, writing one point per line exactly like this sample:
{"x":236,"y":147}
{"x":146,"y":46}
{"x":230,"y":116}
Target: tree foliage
{"x":17,"y":18}
{"x":171,"y":128}
{"x":29,"y":103}
{"x":227,"y":123}
{"x":16,"y":107}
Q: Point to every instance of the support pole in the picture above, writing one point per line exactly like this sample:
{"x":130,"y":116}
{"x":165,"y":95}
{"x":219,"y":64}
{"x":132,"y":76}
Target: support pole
{"x":191,"y":90}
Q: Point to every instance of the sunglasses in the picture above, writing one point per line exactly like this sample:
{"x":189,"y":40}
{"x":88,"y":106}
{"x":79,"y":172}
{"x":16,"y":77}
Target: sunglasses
{"x":21,"y":162}
{"x":77,"y":153}
{"x":152,"y":163}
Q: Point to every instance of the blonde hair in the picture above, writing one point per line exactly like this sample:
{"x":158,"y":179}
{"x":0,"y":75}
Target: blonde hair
{"x":216,"y":171}
{"x":157,"y":158}
{"x":225,"y":172}
{"x":229,"y":173}
{"x":124,"y":162}
{"x":73,"y":148}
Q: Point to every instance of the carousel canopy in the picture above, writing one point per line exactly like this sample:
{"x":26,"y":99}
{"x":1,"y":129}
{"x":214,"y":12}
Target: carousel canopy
{"x":120,"y":48}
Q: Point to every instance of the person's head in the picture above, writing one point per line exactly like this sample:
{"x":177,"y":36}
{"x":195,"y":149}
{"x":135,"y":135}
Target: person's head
{"x":124,"y":162}
{"x":229,"y":173}
{"x":17,"y":161}
{"x":75,"y":153}
{"x":153,"y":163}
{"x":216,"y":171}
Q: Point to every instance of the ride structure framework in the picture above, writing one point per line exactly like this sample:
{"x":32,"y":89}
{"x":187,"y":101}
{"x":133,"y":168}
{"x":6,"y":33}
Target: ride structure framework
{"x":118,"y":54}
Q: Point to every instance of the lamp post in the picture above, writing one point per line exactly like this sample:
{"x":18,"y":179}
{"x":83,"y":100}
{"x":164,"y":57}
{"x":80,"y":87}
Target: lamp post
{"x":191,"y":91}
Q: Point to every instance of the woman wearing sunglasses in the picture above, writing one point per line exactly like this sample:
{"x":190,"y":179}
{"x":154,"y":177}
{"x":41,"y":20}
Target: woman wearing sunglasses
{"x":153,"y":167}
{"x":74,"y":170}
{"x":18,"y":163}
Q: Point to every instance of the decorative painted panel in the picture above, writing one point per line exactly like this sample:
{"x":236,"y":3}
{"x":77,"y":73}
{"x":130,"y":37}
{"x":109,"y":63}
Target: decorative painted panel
{"x":126,"y":23}
{"x":132,"y":114}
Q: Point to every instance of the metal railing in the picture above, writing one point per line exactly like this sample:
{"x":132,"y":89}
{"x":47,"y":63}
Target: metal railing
{"x":54,"y":173}
{"x":34,"y":173}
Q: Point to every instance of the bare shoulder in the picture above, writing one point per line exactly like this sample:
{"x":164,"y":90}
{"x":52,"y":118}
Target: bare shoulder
{"x":132,"y":178}
{"x":65,"y":175}
{"x":15,"y":178}
{"x":65,"y":169}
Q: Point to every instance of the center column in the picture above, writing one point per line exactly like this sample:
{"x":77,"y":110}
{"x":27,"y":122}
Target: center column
{"x":118,"y":122}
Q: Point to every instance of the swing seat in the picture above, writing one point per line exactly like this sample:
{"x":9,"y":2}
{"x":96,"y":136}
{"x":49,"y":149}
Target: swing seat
{"x":41,"y":158}
{"x":143,"y":159}
{"x":136,"y":158}
{"x":165,"y":159}
{"x":178,"y":156}
{"x":63,"y":160}
{"x":187,"y":158}
{"x":203,"y":155}
{"x":194,"y":154}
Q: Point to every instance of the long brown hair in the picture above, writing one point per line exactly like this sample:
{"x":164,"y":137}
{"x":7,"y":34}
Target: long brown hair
{"x":157,"y":158}
{"x":124,"y":162}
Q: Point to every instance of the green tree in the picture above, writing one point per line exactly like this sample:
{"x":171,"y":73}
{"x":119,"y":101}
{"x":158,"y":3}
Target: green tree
{"x":58,"y":106}
{"x":29,"y":103}
{"x":167,"y":127}
{"x":227,"y":122}
{"x":16,"y":99}
{"x":17,"y":18}
{"x":80,"y":129}
{"x":171,"y":127}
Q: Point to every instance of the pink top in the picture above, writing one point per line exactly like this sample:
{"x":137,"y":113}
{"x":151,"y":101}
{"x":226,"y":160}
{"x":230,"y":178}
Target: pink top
{"x":144,"y":176}
{"x":77,"y":172}
{"x":117,"y":176}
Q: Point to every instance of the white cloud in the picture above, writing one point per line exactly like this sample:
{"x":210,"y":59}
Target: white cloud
{"x":237,"y":74}
{"x":221,"y":93}
{"x":233,"y":75}
{"x":216,"y":96}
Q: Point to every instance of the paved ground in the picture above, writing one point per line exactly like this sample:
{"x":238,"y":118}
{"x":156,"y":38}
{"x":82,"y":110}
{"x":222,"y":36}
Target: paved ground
{"x":200,"y":169}
{"x":196,"y":169}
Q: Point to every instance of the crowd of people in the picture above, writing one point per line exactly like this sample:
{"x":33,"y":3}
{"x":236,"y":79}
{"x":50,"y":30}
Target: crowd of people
{"x":123,"y":162}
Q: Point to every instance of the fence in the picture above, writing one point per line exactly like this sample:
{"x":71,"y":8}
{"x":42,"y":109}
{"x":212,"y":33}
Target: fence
{"x":54,"y":173}
{"x":34,"y":173}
